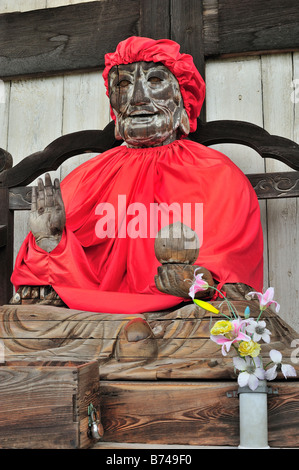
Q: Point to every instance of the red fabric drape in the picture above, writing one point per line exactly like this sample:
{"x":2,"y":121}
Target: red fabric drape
{"x":116,"y":274}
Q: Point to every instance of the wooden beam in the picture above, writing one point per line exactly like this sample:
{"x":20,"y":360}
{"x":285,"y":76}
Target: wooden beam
{"x":64,"y":39}
{"x":187,"y":30}
{"x":76,"y":37}
{"x":155,"y":19}
{"x":3,"y":235}
{"x":232,"y":27}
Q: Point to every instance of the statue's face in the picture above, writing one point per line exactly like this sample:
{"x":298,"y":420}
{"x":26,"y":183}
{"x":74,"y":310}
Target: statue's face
{"x":147,"y":103}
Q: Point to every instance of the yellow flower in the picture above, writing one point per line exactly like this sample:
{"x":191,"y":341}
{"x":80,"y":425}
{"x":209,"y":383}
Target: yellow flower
{"x":221,"y":327}
{"x":249,"y":348}
{"x":206,"y":305}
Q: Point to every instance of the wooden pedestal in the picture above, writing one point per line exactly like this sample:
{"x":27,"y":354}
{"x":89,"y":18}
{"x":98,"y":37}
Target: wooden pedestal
{"x":173,"y":386}
{"x":46,"y":406}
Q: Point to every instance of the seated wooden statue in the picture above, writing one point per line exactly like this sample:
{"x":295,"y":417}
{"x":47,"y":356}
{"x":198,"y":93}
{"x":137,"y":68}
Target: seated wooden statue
{"x":93,"y":237}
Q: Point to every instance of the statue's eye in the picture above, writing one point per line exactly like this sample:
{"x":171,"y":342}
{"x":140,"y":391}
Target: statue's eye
{"x":123,"y":83}
{"x":155,"y":80}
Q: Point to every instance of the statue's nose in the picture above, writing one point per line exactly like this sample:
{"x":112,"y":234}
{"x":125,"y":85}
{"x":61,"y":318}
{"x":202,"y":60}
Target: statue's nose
{"x":139,"y":95}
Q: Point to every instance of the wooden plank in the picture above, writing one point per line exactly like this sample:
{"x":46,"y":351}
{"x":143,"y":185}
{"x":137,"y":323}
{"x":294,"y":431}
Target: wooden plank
{"x":88,"y":392}
{"x":187,"y":30}
{"x":155,"y":19}
{"x":8,"y":6}
{"x":192,"y":413}
{"x":233,"y":27}
{"x":45,"y":406}
{"x":234,"y":92}
{"x":169,"y":413}
{"x":283,"y":414}
{"x":6,"y":250}
{"x":35,"y":119}
{"x":36,"y":400}
{"x":4,"y":114}
{"x":283,"y":221}
{"x":66,"y":38}
{"x":86,"y":106}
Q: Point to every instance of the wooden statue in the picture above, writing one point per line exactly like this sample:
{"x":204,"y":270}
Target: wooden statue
{"x":149,"y":105}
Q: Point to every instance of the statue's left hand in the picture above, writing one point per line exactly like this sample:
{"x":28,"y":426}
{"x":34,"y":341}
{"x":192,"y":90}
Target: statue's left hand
{"x":176,"y":279}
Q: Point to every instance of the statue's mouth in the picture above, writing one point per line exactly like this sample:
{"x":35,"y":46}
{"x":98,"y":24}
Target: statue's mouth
{"x":139,"y":114}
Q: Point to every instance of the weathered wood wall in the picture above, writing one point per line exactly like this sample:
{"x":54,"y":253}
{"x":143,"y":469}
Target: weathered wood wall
{"x":257,"y":89}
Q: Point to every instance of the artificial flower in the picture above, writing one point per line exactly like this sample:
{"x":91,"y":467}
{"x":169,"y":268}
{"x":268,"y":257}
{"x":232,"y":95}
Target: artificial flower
{"x":247,"y":312}
{"x":198,"y":284}
{"x":221,"y":327}
{"x":286,"y":369}
{"x":235,"y":335}
{"x":206,"y":306}
{"x":258,"y":331}
{"x":249,"y":348}
{"x":265,"y":299}
{"x":251,"y":371}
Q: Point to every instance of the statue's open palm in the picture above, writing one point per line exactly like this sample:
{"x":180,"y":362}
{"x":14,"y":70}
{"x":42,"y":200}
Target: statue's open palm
{"x":47,"y":216}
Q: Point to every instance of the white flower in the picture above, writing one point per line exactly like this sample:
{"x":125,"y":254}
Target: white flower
{"x":251,"y":371}
{"x":258,"y":331}
{"x":286,"y":369}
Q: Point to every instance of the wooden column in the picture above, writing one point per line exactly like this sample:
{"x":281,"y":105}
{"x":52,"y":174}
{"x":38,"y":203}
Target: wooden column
{"x":155,"y":19}
{"x":187,"y":30}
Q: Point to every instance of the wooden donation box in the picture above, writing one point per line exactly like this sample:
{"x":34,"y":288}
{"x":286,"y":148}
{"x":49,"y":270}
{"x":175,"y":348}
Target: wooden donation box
{"x":46,"y":406}
{"x":170,"y":384}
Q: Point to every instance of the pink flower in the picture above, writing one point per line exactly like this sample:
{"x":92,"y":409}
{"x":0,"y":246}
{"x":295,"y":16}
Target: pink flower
{"x":198,"y":284}
{"x":235,"y":334}
{"x":266,"y":299}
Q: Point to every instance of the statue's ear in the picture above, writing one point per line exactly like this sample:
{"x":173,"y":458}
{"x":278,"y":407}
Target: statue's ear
{"x":184,"y":123}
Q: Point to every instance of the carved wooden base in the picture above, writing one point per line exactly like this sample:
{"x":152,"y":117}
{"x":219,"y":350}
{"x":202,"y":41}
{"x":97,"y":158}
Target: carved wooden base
{"x":161,"y":345}
{"x":142,"y":361}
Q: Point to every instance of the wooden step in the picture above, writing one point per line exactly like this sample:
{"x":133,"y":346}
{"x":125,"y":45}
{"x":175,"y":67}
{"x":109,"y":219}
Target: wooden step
{"x":197,"y":413}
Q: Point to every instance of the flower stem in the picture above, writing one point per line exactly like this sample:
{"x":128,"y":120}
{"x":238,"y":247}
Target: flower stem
{"x":271,"y":362}
{"x":231,"y":307}
{"x":261,"y":311}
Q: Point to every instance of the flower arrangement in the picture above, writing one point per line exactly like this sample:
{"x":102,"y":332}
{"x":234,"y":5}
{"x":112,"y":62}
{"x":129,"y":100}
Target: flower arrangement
{"x":244,"y":335}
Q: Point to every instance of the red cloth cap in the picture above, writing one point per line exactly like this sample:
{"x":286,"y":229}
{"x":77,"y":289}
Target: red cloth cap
{"x":139,"y":49}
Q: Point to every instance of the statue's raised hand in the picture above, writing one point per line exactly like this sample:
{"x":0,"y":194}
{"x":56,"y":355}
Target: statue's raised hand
{"x":47,"y":216}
